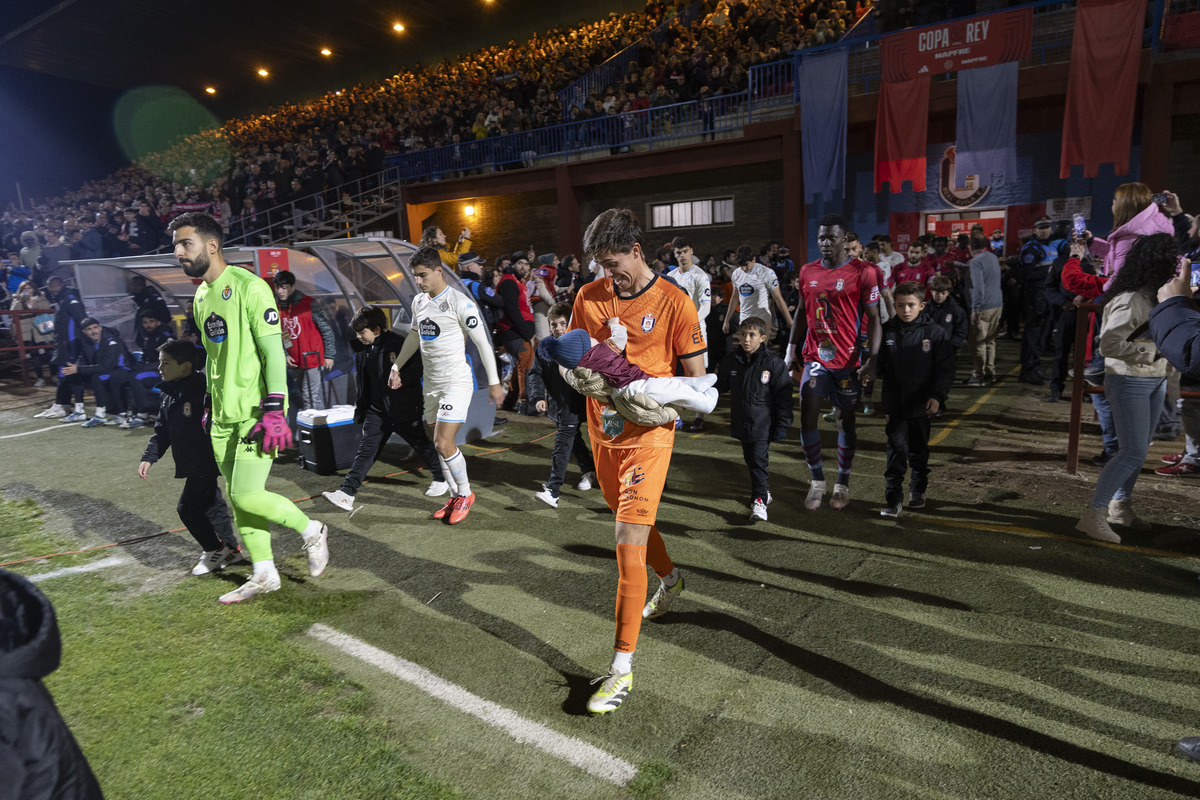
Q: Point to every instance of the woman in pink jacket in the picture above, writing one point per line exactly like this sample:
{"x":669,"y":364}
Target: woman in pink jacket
{"x":1135,"y":214}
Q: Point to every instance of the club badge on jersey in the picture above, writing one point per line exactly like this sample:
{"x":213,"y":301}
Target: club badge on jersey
{"x":647,"y":323}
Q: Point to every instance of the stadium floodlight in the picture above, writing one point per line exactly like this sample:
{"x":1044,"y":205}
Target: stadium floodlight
{"x":398,"y":28}
{"x":263,"y":73}
{"x":325,"y":51}
{"x":210,"y":89}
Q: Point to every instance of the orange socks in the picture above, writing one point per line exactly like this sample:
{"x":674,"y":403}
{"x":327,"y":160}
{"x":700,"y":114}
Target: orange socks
{"x":631,"y":593}
{"x":656,"y":554}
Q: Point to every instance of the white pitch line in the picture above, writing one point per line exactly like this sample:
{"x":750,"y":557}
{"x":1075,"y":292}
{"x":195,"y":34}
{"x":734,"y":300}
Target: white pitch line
{"x":103,"y":563}
{"x":583,"y":755}
{"x":57,"y":427}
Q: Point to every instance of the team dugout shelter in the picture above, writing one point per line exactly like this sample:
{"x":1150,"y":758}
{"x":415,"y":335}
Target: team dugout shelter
{"x":341,"y":275}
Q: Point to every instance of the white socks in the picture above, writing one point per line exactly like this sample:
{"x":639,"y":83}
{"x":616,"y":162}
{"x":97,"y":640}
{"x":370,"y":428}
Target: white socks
{"x":313,"y":528}
{"x":263,"y":571}
{"x":101,"y":412}
{"x":622,"y":662}
{"x":447,"y":477}
{"x":456,"y":468}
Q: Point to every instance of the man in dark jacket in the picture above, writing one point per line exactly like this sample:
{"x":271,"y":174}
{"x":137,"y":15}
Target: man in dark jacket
{"x":382,"y":411}
{"x":760,"y":405}
{"x":514,"y":329}
{"x":106,"y":362}
{"x":69,"y":314}
{"x":39,"y":758}
{"x":180,"y":428}
{"x":916,"y":362}
{"x":550,"y":393}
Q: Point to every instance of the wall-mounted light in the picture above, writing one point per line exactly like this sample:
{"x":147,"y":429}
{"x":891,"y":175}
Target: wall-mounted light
{"x":469,"y":211}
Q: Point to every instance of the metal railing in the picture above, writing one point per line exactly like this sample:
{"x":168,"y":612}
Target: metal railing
{"x":772,"y":90}
{"x":21,"y":348}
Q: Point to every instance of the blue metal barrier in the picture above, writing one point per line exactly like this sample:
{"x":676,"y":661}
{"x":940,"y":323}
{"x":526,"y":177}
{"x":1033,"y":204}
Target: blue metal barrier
{"x":771,"y":86}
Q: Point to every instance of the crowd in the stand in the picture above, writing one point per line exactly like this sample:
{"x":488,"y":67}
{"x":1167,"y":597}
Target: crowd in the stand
{"x":249,"y":172}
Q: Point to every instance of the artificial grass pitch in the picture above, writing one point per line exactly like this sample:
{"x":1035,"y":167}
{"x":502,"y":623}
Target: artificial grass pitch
{"x":977,"y":649}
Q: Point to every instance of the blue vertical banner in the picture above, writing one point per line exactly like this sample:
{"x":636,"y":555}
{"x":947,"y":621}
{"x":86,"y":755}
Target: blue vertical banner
{"x":824,"y":99}
{"x":987,"y":125}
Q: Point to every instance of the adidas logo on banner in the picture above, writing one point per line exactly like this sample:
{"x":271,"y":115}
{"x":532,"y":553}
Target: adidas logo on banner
{"x":922,"y":70}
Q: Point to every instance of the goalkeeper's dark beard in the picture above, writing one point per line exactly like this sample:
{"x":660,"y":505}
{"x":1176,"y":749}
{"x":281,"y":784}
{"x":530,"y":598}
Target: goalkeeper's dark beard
{"x":197,"y":267}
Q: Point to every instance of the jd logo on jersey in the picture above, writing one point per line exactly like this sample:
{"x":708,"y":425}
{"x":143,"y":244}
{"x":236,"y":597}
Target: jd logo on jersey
{"x":429,"y":330}
{"x":215,"y":328}
{"x":472,"y":322}
{"x":271,"y":316}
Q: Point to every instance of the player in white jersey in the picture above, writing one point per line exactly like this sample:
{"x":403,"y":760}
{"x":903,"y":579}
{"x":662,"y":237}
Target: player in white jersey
{"x":754,"y":287}
{"x":441,"y":316}
{"x":695,"y":281}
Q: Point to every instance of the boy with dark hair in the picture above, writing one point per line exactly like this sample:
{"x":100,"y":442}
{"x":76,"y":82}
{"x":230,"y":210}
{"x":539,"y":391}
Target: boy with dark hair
{"x":946,"y":312}
{"x":550,"y":393}
{"x":381,"y":410}
{"x":916,"y":362}
{"x":180,"y":428}
{"x":442,"y":318}
{"x":760,"y":405}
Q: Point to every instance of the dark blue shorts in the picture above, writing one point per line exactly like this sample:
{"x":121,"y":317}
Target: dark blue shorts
{"x":841,"y":386}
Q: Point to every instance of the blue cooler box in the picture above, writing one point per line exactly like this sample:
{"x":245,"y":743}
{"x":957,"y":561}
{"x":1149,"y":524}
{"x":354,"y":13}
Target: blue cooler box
{"x":328,"y":439}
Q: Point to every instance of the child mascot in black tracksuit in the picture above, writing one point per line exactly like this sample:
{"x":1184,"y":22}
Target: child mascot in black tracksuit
{"x":548,"y":391}
{"x":382,"y":411}
{"x":181,"y":428}
{"x":760,"y":405}
{"x":916,"y":363}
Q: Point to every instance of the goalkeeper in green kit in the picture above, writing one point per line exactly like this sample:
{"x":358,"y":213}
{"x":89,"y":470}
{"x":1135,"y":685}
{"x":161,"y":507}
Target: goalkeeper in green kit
{"x":247,"y":381}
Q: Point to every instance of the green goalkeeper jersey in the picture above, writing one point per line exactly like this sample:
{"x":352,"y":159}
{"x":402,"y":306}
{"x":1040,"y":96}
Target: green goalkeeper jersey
{"x":233,"y":312}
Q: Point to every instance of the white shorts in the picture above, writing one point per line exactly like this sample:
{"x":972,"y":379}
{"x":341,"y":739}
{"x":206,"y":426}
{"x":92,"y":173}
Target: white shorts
{"x":447,"y":403}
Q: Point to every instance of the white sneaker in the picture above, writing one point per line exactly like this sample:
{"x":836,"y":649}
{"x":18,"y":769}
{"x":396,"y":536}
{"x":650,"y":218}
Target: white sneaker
{"x":841,"y":497}
{"x":74,"y":416}
{"x":53,"y":412}
{"x":660,"y":603}
{"x":1120,"y":512}
{"x":1094,"y":524}
{"x":816,"y":491}
{"x":437,"y":489}
{"x":586,"y":481}
{"x":251,"y":588}
{"x":340,"y":499}
{"x":316,"y":547}
{"x":758,"y":510}
{"x":546,"y":497}
{"x":39,"y":383}
{"x":214,"y":560}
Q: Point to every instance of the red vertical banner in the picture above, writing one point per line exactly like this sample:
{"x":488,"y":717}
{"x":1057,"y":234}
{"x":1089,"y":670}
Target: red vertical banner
{"x":1106,"y":54}
{"x":904,"y":229}
{"x":272,"y":261}
{"x":901,"y":133}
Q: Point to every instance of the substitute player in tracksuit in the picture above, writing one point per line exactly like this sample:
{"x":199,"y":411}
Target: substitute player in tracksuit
{"x":180,"y":429}
{"x":247,"y":381}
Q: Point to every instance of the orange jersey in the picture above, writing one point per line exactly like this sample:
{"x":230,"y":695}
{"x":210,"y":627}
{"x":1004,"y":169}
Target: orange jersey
{"x":663,"y":327}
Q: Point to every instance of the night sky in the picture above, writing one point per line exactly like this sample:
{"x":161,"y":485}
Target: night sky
{"x":57,"y":133}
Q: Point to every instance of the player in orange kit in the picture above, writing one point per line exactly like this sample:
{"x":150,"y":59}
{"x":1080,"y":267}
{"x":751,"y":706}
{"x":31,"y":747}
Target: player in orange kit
{"x":631,"y":459}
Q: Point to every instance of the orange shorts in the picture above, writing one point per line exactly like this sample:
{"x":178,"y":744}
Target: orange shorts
{"x":632,"y":480}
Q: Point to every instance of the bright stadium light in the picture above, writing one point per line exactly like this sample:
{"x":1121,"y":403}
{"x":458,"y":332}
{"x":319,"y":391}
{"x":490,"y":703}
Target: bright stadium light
{"x":325,"y":51}
{"x":263,"y":73}
{"x":469,"y":211}
{"x":210,"y":90}
{"x":398,"y":28}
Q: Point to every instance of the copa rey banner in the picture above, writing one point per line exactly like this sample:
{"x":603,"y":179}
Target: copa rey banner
{"x":981,"y":41}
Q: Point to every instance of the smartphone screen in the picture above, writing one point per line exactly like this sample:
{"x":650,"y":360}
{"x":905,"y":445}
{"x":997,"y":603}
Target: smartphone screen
{"x":1080,"y":224}
{"x":1195,"y":276}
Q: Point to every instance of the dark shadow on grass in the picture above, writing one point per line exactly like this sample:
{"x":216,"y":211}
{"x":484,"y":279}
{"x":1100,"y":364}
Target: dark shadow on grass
{"x":871,"y":689}
{"x":863,"y":588}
